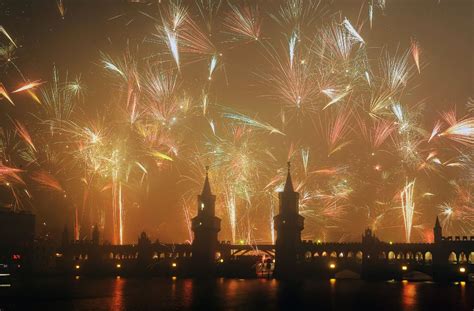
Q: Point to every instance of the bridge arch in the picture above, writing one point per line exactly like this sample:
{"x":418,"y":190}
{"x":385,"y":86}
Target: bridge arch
{"x":419,"y":257}
{"x":428,"y":258}
{"x":324,"y":254}
{"x":391,"y":256}
{"x":462,"y":258}
{"x":333,"y":254}
{"x":400,"y":256}
{"x":471,"y":258}
{"x":382,"y":255}
{"x":452,"y":258}
{"x":409,"y":256}
{"x":350,"y":254}
{"x":359,"y":255}
{"x":308,"y":255}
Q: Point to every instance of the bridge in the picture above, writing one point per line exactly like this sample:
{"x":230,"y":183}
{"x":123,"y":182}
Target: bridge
{"x":447,"y":258}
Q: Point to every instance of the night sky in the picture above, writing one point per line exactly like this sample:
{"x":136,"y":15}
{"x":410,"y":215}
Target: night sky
{"x":248,"y":162}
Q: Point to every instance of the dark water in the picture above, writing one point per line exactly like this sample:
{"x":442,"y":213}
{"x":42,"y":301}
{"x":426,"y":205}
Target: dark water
{"x":233,"y":294}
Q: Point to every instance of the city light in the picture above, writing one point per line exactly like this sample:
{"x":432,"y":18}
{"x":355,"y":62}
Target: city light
{"x":404,"y":268}
{"x":462,"y":269}
{"x":118,"y":266}
{"x":174,"y":264}
{"x":332,"y":266}
{"x":77,"y":267}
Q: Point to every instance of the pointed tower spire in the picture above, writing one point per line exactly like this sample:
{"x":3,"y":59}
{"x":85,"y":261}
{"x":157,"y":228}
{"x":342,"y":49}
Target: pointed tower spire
{"x":206,"y":190}
{"x":437,"y":231}
{"x":288,"y":183}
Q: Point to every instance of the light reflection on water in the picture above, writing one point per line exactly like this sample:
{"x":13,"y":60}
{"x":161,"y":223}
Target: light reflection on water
{"x":408,"y":295}
{"x":259,"y":294}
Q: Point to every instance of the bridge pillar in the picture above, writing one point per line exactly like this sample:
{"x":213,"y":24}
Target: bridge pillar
{"x":288,"y":225}
{"x":205,"y":227}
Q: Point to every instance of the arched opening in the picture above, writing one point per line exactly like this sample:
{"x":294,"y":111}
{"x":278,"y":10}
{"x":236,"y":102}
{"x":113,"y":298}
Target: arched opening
{"x":341,"y":255}
{"x":409,"y":256}
{"x":111,"y":256}
{"x":333,"y":254}
{"x":382,"y":255}
{"x":462,"y":258}
{"x":350,"y":255}
{"x":324,"y":254}
{"x":453,"y":258}
{"x":308,"y":255}
{"x":428,"y":258}
{"x":155,"y":255}
{"x":471,"y":258}
{"x":316,"y":254}
{"x":359,"y":255}
{"x":418,"y":257}
{"x":400,"y":256}
{"x":391,"y":256}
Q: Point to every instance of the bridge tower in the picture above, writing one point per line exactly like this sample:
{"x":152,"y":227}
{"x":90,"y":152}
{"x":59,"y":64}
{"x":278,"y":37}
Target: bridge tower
{"x":205,"y":227}
{"x":439,"y":253}
{"x":437,"y":231}
{"x":288,"y":225}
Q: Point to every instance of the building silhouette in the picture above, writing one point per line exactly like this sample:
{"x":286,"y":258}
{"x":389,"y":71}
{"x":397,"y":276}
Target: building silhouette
{"x":205,"y":227}
{"x":288,"y":225}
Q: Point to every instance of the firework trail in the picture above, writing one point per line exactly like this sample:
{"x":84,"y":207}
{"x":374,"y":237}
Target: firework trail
{"x":5,"y":33}
{"x":336,"y":131}
{"x":408,"y":207}
{"x":212,"y":66}
{"x":458,"y":213}
{"x":371,"y":15}
{"x":28,"y":86}
{"x":23,"y":132}
{"x":4,"y":93}
{"x":46,"y":180}
{"x":172,"y":42}
{"x":8,"y":174}
{"x":416,"y":51}
{"x":244,"y":22}
{"x":354,"y":34}
{"x":436,"y":130}
{"x":396,"y":70}
{"x":293,"y":14}
{"x":462,"y":132}
{"x":251,"y":122}
{"x":61,"y":8}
